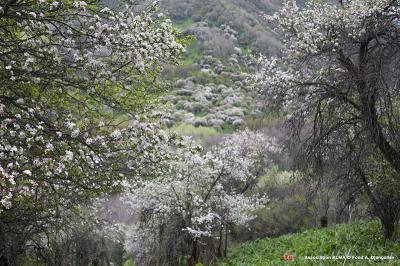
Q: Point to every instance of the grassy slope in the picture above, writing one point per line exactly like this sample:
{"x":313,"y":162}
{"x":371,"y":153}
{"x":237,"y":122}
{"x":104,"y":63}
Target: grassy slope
{"x":358,"y":239}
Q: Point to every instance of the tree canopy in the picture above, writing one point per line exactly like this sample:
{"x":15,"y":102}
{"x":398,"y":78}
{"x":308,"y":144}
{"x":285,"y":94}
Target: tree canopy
{"x":67,"y":69}
{"x":338,"y":81}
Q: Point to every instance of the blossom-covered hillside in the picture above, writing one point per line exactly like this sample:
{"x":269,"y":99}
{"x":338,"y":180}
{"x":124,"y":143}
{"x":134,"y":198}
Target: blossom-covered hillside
{"x":211,"y":87}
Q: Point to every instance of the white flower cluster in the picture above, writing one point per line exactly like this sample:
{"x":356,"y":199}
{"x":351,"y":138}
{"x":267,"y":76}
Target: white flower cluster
{"x":72,"y":43}
{"x":61,"y":56}
{"x":320,"y":26}
{"x":319,"y":40}
{"x":205,"y":190}
{"x":42,"y":157}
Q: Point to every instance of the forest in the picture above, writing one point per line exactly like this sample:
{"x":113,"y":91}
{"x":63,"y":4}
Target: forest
{"x":194,"y":133}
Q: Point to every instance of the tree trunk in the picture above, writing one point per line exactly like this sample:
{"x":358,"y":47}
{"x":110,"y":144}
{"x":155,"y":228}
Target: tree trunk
{"x":3,"y":261}
{"x":221,"y":242}
{"x":369,"y":111}
{"x":226,"y":240}
{"x":389,"y":230}
{"x":10,"y":248}
{"x":324,"y":221}
{"x":192,"y":261}
{"x":384,"y":208}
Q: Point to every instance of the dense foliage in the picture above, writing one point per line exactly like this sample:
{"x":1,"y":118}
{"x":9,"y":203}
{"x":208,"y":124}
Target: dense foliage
{"x":358,"y":239}
{"x":65,"y":68}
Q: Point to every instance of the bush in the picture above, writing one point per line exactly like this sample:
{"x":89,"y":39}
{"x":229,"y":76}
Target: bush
{"x":129,"y":262}
{"x":290,"y":215}
{"x":227,"y":128}
{"x":199,"y":133}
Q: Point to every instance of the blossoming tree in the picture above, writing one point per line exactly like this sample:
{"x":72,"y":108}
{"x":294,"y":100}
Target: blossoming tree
{"x":338,"y":80}
{"x":66,"y":69}
{"x":188,"y":211}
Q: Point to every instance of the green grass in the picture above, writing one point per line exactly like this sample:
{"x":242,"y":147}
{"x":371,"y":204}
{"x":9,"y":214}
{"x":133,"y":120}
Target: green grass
{"x":227,"y":128}
{"x":183,"y":25}
{"x":192,"y":56}
{"x":200,"y":114}
{"x":198,"y":133}
{"x":358,"y":239}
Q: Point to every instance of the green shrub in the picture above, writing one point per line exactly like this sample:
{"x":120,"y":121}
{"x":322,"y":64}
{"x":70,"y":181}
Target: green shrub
{"x":28,"y":260}
{"x":276,"y":176}
{"x":267,"y":120}
{"x":227,"y":128}
{"x":289,"y":215}
{"x":200,"y":114}
{"x":198,"y":133}
{"x":129,"y":262}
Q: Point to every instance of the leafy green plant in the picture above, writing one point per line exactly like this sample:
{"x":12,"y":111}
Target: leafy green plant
{"x":200,"y":114}
{"x":129,"y":262}
{"x":227,"y":128}
{"x":358,"y":239}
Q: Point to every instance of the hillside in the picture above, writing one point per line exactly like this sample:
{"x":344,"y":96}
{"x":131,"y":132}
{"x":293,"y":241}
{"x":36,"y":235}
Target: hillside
{"x":358,"y":239}
{"x":211,"y":88}
{"x":222,"y":24}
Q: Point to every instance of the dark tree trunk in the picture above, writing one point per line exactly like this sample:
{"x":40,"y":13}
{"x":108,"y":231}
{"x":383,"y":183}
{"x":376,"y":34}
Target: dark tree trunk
{"x":385,"y":207}
{"x":324,"y":221}
{"x":368,"y":94}
{"x":3,"y":261}
{"x":192,"y":261}
{"x":389,"y":220}
{"x":10,"y":248}
{"x":389,"y":228}
{"x":371,"y":121}
{"x":221,"y":242}
{"x":226,"y":240}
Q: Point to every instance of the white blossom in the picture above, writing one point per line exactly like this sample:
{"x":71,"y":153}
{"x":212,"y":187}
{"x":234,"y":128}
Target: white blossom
{"x":203,"y":189}
{"x":27,"y":172}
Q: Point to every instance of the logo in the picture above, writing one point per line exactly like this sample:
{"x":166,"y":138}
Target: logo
{"x":288,"y":257}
